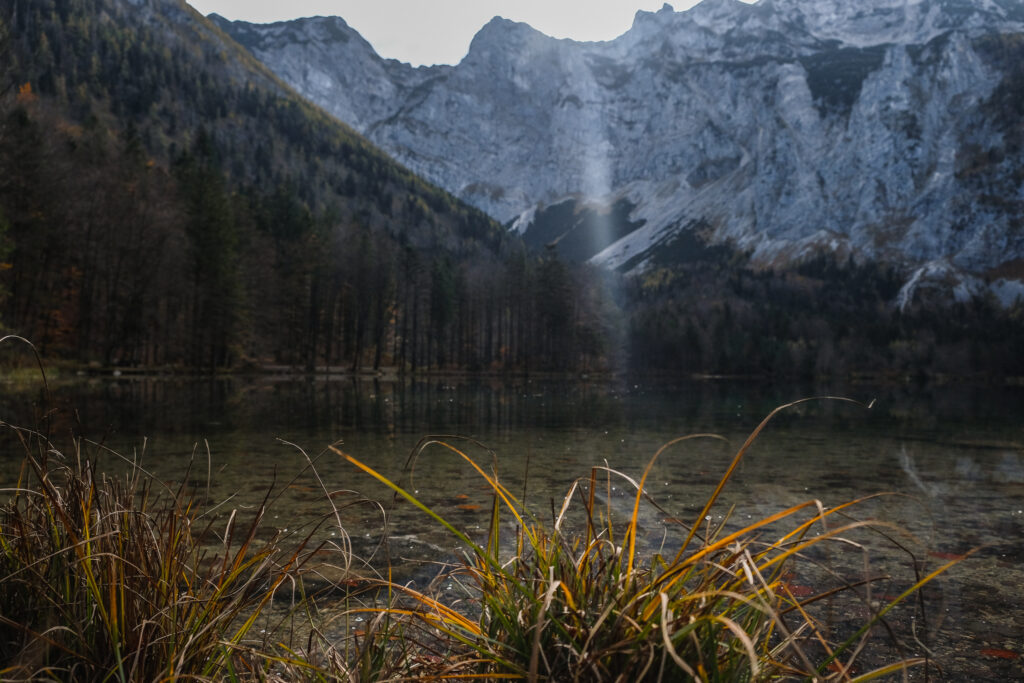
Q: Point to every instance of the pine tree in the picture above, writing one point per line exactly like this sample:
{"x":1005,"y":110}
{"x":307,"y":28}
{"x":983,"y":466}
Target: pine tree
{"x":213,"y":240}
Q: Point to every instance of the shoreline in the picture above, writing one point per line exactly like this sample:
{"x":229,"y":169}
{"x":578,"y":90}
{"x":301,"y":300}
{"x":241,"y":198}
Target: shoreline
{"x":61,"y":372}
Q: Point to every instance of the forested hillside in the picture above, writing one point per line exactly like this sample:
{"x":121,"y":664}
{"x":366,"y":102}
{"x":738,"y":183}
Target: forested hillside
{"x":709,"y":313}
{"x":164,"y":200}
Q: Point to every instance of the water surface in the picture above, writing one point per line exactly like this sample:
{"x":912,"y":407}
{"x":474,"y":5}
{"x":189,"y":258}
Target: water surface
{"x":952,"y":454}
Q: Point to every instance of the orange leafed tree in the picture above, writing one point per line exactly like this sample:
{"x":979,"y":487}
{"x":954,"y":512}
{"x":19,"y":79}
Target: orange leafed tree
{"x":25,"y":93}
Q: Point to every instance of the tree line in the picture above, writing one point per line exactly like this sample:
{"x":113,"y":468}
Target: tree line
{"x":828,"y":316}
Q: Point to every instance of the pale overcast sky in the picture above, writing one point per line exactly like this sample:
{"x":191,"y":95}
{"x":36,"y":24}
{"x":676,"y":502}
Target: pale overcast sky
{"x":439,"y":31}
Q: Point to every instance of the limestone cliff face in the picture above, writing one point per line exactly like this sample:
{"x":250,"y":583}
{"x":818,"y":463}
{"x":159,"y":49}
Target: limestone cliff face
{"x":886,"y":129}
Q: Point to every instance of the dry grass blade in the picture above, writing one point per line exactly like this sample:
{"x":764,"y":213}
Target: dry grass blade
{"x":743,"y":451}
{"x":631,"y":531}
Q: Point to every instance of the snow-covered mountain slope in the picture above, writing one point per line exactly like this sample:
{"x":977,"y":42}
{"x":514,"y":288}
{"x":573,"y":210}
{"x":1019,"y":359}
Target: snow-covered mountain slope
{"x":885,"y":129}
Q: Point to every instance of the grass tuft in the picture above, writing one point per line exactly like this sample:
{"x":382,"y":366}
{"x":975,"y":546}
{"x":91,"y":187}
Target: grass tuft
{"x":557,"y":601}
{"x":113,"y":579}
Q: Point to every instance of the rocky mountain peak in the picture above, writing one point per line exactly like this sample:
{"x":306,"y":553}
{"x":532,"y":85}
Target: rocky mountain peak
{"x":645,"y":17}
{"x":500,"y":30}
{"x":318,"y":31}
{"x":502,"y":40}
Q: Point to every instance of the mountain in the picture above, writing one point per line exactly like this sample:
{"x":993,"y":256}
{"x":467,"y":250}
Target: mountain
{"x":885,"y":130}
{"x":166,"y":200}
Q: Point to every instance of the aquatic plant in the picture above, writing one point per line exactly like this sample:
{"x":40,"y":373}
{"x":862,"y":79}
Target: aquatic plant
{"x":556,"y":601}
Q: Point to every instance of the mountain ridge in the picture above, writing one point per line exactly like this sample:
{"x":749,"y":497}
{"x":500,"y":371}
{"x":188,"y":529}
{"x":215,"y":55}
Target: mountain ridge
{"x":787,"y":127}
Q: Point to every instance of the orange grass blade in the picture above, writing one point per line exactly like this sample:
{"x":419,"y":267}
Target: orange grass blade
{"x":510,"y":501}
{"x":443,"y":610}
{"x":807,"y":619}
{"x":831,"y":533}
{"x":885,"y":610}
{"x":802,"y":529}
{"x":631,"y":530}
{"x":739,"y":456}
{"x":412,"y":499}
{"x":438,"y":620}
{"x":677,"y":565}
{"x":891,"y":669}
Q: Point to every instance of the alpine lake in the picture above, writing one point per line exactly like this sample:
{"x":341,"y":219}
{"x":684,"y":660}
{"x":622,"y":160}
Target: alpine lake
{"x":948,"y":457}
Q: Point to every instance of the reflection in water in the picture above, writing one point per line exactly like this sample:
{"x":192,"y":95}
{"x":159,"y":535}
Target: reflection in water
{"x":1010,"y":469}
{"x":953,"y":453}
{"x":910,"y":469}
{"x":211,"y":406}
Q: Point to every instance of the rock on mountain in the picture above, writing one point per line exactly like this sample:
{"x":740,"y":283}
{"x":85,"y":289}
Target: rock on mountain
{"x":881,"y":129}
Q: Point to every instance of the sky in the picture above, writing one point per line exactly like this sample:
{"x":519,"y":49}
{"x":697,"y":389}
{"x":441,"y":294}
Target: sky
{"x":439,"y":31}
